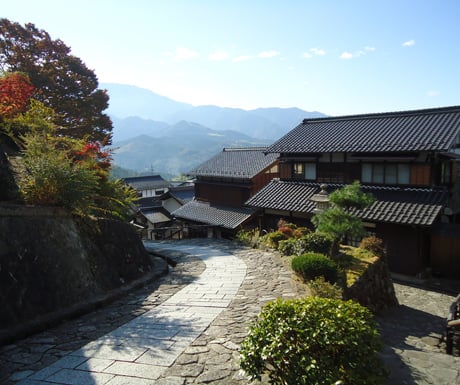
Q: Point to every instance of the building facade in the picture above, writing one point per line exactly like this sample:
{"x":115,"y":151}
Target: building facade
{"x":408,"y":160}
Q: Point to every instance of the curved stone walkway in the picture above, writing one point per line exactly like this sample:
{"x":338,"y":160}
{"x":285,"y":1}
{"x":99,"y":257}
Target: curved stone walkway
{"x":131,"y":341}
{"x":141,"y":350}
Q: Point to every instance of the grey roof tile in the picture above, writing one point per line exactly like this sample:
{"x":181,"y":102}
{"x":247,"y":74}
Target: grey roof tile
{"x":241,"y":163}
{"x":392,"y":205}
{"x":147,"y":182}
{"x":419,"y":130}
{"x":228,"y":217}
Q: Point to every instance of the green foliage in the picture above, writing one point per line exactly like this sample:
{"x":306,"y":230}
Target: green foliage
{"x":319,"y":287}
{"x":52,"y":180}
{"x":248,"y":237}
{"x":288,"y":246}
{"x":351,"y":196}
{"x":273,"y":238}
{"x":312,"y":265}
{"x":317,"y":243}
{"x":114,"y":199}
{"x":339,"y":224}
{"x":374,"y":245}
{"x":60,"y":171}
{"x":338,"y":220}
{"x":313,"y":341}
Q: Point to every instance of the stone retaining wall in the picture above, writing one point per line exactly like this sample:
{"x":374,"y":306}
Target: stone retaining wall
{"x":50,"y":260}
{"x":374,"y":288}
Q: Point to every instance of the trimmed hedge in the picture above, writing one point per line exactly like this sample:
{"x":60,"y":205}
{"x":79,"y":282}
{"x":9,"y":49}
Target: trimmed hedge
{"x":313,"y":265}
{"x":313,"y":341}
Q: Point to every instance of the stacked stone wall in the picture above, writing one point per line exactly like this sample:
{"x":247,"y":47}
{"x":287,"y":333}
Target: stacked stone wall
{"x":374,"y":288}
{"x":49,"y":260}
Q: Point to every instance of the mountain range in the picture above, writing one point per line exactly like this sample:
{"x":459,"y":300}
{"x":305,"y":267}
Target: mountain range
{"x":155,"y":134}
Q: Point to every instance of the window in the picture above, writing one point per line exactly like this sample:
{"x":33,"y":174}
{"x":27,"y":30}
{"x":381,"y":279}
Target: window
{"x":304,"y":171}
{"x":446,"y":172}
{"x":310,"y":171}
{"x":385,"y":173}
{"x":298,"y":170}
{"x":403,"y":174}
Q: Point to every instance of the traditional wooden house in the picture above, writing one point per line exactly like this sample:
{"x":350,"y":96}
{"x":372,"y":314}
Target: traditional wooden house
{"x":408,"y":160}
{"x":158,"y":198}
{"x":222,"y":185}
{"x":149,"y":185}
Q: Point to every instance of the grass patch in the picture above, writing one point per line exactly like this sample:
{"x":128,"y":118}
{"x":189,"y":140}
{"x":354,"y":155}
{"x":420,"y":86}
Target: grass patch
{"x":354,"y":261}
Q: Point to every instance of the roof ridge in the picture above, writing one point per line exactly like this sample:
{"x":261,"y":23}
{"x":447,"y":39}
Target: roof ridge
{"x":228,"y":149}
{"x":433,"y":110}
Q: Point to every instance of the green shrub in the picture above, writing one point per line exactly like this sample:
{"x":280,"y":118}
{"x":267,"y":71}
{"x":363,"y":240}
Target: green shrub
{"x":373,"y":244}
{"x":313,"y":265}
{"x":248,"y":237}
{"x":299,"y":232}
{"x":287,"y":246}
{"x":317,"y":243}
{"x":319,"y":287}
{"x":313,"y":341}
{"x":272,"y":239}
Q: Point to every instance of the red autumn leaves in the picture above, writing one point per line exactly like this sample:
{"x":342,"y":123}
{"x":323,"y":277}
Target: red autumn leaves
{"x":15,"y":92}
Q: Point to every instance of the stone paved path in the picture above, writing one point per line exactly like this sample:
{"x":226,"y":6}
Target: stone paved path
{"x":119,"y":344}
{"x":413,"y":335}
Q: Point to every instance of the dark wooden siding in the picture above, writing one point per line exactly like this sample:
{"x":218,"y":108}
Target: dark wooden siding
{"x":286,"y":170}
{"x":445,"y":250}
{"x":222,"y":193}
{"x":420,"y":175}
{"x":261,"y":180}
{"x":407,"y":248}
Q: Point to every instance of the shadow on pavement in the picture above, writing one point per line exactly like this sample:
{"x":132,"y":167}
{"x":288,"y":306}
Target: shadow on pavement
{"x":408,"y":330}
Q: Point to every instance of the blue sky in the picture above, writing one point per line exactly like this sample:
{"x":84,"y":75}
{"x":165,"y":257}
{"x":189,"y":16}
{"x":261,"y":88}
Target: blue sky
{"x":338,"y":57}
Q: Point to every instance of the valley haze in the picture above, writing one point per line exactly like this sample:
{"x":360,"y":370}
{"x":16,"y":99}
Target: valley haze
{"x":158,"y":135}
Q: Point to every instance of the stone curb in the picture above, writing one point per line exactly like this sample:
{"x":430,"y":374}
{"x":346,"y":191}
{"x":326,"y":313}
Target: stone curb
{"x":160,"y":268}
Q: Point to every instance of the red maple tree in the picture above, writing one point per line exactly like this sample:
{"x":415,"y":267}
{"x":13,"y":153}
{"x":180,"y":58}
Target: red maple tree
{"x":15,"y":92}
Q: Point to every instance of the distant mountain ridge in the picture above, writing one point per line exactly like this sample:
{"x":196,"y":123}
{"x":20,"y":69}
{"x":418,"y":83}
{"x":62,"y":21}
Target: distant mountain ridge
{"x":267,"y":123}
{"x":153,"y":132}
{"x":178,"y":149}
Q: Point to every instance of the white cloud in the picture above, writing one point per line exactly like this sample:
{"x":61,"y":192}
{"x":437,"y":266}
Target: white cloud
{"x":181,"y":53}
{"x":361,"y":52}
{"x":218,"y":55}
{"x":268,"y":54}
{"x":318,"y":51}
{"x":313,"y":52}
{"x":346,"y":55}
{"x":408,"y":43}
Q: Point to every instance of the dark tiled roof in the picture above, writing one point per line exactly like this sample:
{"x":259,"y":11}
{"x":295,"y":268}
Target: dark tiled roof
{"x":420,"y":130}
{"x":241,"y":163}
{"x":147,"y":182}
{"x":228,"y":217}
{"x":149,"y":202}
{"x":392,"y":205}
{"x":183,"y":194}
